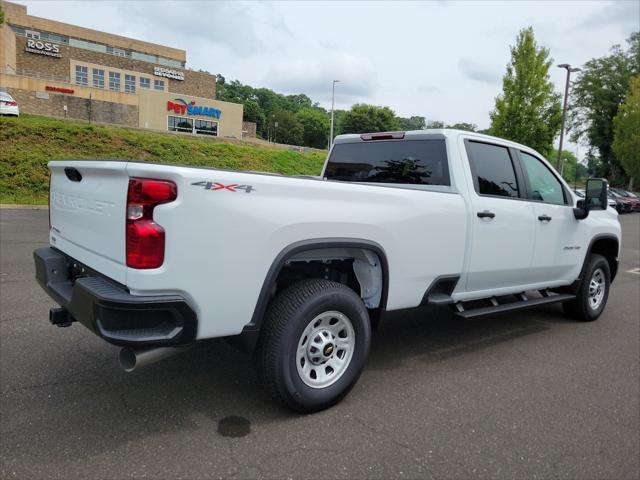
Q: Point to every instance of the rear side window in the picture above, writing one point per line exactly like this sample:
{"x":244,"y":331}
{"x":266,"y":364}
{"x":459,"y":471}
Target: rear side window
{"x":492,"y":169}
{"x":422,"y":162}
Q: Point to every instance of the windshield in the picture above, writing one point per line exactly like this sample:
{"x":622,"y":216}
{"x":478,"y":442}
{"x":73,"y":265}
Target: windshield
{"x":406,"y":161}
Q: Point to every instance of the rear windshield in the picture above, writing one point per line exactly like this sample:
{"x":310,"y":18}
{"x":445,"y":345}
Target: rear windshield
{"x":408,"y":161}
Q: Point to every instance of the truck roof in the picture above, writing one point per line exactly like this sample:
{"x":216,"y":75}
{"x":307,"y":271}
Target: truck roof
{"x":430,"y":133}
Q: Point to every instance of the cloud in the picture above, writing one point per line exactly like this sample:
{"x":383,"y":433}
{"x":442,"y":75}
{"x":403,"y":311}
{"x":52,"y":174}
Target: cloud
{"x":238,"y":27}
{"x":480,"y":72}
{"x":428,"y":89}
{"x":314,"y":77}
{"x":625,"y":15}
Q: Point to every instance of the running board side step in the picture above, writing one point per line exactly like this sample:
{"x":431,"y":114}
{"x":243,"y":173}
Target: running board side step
{"x":521,"y":304}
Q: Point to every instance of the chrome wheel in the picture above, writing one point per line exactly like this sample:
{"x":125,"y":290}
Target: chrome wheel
{"x":325,"y":349}
{"x":597,"y":286}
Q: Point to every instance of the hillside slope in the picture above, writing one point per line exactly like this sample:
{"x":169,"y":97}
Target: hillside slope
{"x":27,"y":143}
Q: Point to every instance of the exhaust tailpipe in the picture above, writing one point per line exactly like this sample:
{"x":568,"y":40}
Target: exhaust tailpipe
{"x":131,"y":359}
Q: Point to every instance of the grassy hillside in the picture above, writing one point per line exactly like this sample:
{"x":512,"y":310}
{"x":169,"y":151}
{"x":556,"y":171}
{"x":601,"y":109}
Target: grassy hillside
{"x":27,"y":143}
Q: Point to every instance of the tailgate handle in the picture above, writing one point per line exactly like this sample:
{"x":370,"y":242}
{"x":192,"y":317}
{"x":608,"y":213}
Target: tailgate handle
{"x":73,"y":174}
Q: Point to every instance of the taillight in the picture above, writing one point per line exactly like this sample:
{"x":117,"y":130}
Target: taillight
{"x":145,"y":238}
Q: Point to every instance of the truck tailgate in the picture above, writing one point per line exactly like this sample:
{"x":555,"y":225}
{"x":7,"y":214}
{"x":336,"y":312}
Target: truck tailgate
{"x":88,"y":203}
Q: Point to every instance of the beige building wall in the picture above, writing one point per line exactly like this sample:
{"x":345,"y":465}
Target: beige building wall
{"x":7,"y":49}
{"x":38,"y":85}
{"x":154,"y":113}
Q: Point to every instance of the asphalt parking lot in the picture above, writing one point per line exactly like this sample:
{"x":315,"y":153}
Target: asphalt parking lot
{"x":528,"y":395}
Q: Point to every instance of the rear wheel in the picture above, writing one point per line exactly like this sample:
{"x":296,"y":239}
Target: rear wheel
{"x":313,"y":344}
{"x":593,"y":291}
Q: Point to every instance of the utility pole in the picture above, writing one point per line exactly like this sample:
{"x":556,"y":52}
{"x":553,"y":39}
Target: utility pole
{"x":333,"y":96}
{"x":569,"y":69}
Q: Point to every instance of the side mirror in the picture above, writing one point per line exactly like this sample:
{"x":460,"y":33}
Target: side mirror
{"x":595,"y":198}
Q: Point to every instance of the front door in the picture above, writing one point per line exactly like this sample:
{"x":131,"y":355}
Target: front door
{"x":557,"y":254}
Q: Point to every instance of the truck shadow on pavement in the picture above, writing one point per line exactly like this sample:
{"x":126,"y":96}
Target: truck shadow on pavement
{"x":213,"y":387}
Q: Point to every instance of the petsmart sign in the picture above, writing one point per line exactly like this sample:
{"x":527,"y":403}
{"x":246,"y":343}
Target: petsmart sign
{"x":181,"y":107}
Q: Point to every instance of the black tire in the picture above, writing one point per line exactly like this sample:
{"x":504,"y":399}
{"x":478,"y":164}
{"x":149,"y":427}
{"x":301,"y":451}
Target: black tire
{"x":581,"y":308}
{"x":287,"y":317}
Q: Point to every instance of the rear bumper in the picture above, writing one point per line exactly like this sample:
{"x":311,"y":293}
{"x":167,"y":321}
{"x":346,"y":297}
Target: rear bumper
{"x":109,"y":310}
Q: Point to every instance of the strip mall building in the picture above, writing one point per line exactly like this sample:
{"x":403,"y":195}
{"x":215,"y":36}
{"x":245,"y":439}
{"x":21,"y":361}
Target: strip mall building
{"x":56,"y":69}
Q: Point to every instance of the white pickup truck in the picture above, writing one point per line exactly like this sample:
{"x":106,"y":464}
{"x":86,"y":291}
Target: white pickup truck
{"x":154,"y":258}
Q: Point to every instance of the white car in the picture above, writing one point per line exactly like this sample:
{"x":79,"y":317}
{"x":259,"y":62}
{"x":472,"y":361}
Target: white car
{"x":154,"y":258}
{"x":8,"y":106}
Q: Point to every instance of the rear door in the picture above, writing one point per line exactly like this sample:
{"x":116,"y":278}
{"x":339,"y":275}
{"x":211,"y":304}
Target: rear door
{"x":557,"y":254}
{"x":87,"y":211}
{"x":503,"y":229}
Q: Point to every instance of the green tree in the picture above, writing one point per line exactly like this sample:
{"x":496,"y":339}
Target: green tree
{"x":528,"y":110}
{"x":436,"y":124}
{"x":595,"y":97}
{"x":572,"y":170}
{"x":289,"y":130}
{"x":412,"y":123}
{"x":253,"y":113}
{"x":626,"y":131}
{"x":363,"y":118}
{"x":315,"y":123}
{"x":469,"y":127}
{"x":1,"y":15}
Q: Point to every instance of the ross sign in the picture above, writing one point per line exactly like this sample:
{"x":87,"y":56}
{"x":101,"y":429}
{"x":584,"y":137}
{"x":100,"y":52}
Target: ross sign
{"x":181,"y":107}
{"x":43,"y":48}
{"x":167,"y":72}
{"x":49,"y":88}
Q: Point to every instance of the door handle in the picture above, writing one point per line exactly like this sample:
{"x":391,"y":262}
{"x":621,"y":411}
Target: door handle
{"x":486,"y":214}
{"x":544,"y":218}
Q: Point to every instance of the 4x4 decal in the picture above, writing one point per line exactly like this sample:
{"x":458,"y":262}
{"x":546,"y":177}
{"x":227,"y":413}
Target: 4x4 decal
{"x":232,"y":187}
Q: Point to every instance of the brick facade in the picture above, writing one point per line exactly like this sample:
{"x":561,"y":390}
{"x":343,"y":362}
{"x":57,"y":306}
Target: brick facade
{"x":197,"y":84}
{"x":249,"y":129}
{"x":79,"y":108}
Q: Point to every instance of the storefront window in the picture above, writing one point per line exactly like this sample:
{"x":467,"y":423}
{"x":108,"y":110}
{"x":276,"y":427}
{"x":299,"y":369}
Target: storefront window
{"x":114,"y":81}
{"x":145,"y":82}
{"x":158,"y":85}
{"x":206,"y":127}
{"x":180,"y":124}
{"x":98,"y":78}
{"x":130,"y":83}
{"x":82,"y":75}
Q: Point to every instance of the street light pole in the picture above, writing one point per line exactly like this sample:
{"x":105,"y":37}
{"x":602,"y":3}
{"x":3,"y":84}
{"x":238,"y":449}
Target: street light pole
{"x":333,"y":96}
{"x":569,"y":69}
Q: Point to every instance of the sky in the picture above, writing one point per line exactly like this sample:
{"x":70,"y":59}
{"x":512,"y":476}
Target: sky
{"x":438,"y":59}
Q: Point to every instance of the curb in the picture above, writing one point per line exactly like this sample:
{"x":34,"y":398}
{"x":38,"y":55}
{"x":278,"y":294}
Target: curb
{"x":12,"y":206}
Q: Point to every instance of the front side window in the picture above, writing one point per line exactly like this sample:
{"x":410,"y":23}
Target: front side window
{"x":492,"y":170}
{"x":422,"y":162}
{"x":98,"y":78}
{"x":114,"y":81}
{"x":130,"y":83}
{"x":545,"y":187}
{"x":82,"y":75}
{"x":145,"y":82}
{"x":158,"y":84}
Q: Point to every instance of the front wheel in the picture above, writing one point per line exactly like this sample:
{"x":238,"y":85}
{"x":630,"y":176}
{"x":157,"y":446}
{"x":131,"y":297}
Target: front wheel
{"x":313,"y":345}
{"x":593,"y":291}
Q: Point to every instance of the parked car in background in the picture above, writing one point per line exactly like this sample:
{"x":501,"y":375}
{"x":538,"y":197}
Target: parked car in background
{"x":623,"y":201}
{"x":633,"y":200}
{"x":8,"y":106}
{"x":580,"y":193}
